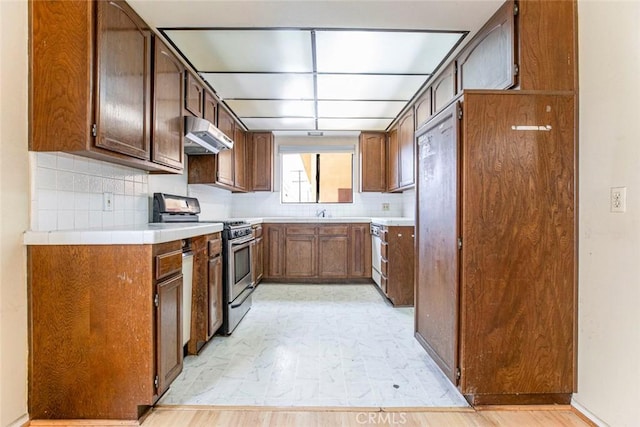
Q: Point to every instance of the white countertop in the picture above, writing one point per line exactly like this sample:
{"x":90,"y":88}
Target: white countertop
{"x":394,"y":221}
{"x":389,"y":221}
{"x":122,"y":235}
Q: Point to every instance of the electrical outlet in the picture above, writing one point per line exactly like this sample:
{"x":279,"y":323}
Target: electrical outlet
{"x":618,"y":199}
{"x":107,"y":202}
{"x":385,"y":206}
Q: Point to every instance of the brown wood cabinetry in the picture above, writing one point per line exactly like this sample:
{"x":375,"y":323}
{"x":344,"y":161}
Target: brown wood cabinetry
{"x":105,"y":328}
{"x":210,"y":107}
{"x":393,"y":160}
{"x":373,"y":161}
{"x":317,"y":252}
{"x":397,"y":264}
{"x":90,"y":67}
{"x":225,"y":171}
{"x":206,"y":301}
{"x":422,"y":108}
{"x":168,"y":122}
{"x":497,"y":246}
{"x":239,"y":160}
{"x":257,"y":255}
{"x":260,"y":149}
{"x":443,"y":89}
{"x":406,"y":142}
{"x":193,"y":95}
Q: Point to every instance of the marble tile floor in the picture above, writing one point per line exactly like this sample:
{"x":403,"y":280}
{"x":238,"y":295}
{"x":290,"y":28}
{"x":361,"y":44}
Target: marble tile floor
{"x":316,"y":345}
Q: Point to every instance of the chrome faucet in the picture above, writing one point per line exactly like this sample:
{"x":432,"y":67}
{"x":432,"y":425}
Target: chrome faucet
{"x":321,"y":213}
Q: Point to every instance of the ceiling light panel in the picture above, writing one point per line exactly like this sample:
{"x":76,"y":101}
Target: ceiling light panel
{"x":271,"y":108}
{"x":262,"y":86}
{"x":246,"y":50}
{"x":382,"y":51}
{"x":282,"y":123}
{"x":353,"y":124}
{"x":362,"y":109}
{"x":368,"y":87}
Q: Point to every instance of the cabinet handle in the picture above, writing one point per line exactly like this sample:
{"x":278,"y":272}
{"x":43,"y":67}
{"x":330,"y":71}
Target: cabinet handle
{"x":399,"y":235}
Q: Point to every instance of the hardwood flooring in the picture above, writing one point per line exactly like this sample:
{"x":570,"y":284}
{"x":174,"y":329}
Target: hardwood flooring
{"x":201,"y":416}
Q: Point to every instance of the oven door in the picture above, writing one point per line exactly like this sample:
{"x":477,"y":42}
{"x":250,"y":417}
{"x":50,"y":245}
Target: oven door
{"x":239,"y":277}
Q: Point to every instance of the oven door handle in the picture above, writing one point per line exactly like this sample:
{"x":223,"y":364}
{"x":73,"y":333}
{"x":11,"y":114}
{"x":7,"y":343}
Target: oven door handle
{"x":248,"y":288}
{"x":235,"y":243}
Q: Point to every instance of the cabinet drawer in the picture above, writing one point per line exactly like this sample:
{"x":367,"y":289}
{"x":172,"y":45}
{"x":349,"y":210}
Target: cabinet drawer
{"x":334,"y":230}
{"x":214,"y":247}
{"x":384,"y":250}
{"x":168,"y":264}
{"x":257,"y":231}
{"x":383,"y":235}
{"x":384,"y":267}
{"x":301,"y":229}
{"x":383,"y":284}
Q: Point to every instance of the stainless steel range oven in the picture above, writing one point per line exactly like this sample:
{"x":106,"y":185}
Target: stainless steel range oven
{"x":236,"y":254}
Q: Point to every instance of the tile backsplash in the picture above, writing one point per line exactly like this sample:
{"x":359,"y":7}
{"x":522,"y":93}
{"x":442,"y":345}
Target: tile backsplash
{"x":67,"y":193}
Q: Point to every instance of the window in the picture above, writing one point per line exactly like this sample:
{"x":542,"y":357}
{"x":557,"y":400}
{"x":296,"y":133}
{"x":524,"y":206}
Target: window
{"x":317,"y":177}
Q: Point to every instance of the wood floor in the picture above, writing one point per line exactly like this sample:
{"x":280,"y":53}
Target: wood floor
{"x":199,"y":416}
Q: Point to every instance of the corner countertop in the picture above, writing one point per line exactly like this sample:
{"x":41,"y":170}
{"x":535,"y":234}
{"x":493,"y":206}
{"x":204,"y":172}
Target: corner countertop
{"x":144,"y":234}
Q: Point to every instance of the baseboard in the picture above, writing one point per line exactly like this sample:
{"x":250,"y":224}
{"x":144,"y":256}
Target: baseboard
{"x":587,"y":415}
{"x":21,"y":421}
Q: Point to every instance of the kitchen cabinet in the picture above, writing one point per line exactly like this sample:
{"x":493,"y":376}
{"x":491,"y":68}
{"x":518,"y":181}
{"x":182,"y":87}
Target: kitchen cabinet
{"x":225,"y":166}
{"x":497,"y":246}
{"x":301,"y":251}
{"x":90,"y":69}
{"x":210,"y":107}
{"x":443,"y":88}
{"x":373,"y":161}
{"x":397,"y":264}
{"x":274,"y":250}
{"x":239,"y":160}
{"x":359,"y":251}
{"x":406,"y":143}
{"x":206,"y":300}
{"x":422,"y":108}
{"x":168,"y":122}
{"x":393,"y":160}
{"x":311,"y":252}
{"x":260,"y":149}
{"x":488,"y":61}
{"x":194,"y":95}
{"x":115,"y":314}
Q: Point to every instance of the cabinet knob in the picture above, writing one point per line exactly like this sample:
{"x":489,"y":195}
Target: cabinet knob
{"x":399,"y":234}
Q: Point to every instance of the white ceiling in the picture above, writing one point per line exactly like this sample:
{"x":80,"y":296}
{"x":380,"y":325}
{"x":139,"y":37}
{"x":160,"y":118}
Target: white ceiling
{"x":331,"y":65}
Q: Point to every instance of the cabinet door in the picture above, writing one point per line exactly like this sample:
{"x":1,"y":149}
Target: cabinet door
{"x":406,"y":148}
{"x":261,"y":149}
{"x":443,"y":88}
{"x":333,"y":256}
{"x":423,"y":108}
{"x":210,"y":106}
{"x":360,"y":251}
{"x":274,"y":250}
{"x":240,"y":159}
{"x":123,"y":81}
{"x":214,"y":295}
{"x":393,"y":159}
{"x":488,"y":61}
{"x":169,"y":332}
{"x":373,"y":162}
{"x":259,"y":259}
{"x":300,"y":256}
{"x":194,"y":96}
{"x":437,"y":284}
{"x":225,"y":169}
{"x":167,"y":98}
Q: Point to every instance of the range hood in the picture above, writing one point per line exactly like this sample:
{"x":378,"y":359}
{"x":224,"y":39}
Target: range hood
{"x":202,"y":137}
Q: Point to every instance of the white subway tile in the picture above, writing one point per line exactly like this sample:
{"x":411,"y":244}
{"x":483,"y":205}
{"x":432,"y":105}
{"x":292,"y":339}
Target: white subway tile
{"x":129,"y":188}
{"x":66,"y":219}
{"x":95,"y":219}
{"x":118,"y":202}
{"x":81,"y":183}
{"x":95,"y":202}
{"x":119,"y":186}
{"x":66,"y":200}
{"x":81,"y":219}
{"x":94,"y":167}
{"x":47,"y":220}
{"x":82,"y":201}
{"x":47,"y":199}
{"x":65,"y":162}
{"x":118,"y":217}
{"x":141,"y":217}
{"x":46,"y":160}
{"x":65,"y":181}
{"x":108,"y":185}
{"x":95,"y":184}
{"x":107,"y":219}
{"x":46,"y":178}
{"x":81,"y":164}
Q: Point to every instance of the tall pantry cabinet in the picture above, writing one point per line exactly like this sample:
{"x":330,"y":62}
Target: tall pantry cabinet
{"x":496,"y":171}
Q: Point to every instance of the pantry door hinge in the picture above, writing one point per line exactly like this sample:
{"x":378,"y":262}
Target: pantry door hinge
{"x":516,"y":69}
{"x":459,"y":112}
{"x":156,"y":300}
{"x":457,"y":373}
{"x":459,"y":243}
{"x":156,"y":380}
{"x":516,"y":9}
{"x":94,"y":130}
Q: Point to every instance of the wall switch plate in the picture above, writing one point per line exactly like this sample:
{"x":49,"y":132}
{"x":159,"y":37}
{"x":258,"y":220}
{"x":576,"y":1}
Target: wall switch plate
{"x":107,"y":202}
{"x":618,"y":199}
{"x":385,"y":206}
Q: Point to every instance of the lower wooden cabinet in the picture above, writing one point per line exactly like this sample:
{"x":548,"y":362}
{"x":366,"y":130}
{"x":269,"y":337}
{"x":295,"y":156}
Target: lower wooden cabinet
{"x":397,"y":264}
{"x":257,"y":255}
{"x":317,"y":252}
{"x":105,"y":328}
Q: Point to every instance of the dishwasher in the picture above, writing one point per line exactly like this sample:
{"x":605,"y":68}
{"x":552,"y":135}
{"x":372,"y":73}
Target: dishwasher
{"x":187,"y":289}
{"x":376,"y":257}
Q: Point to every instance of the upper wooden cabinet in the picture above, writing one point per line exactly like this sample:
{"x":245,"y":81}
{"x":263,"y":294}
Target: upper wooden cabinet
{"x":260,"y":149}
{"x":90,"y":82}
{"x":406,"y":143}
{"x":168,"y":122}
{"x":240,"y":160}
{"x":210,"y":108}
{"x":488,"y":61}
{"x":422,"y":108}
{"x":393,"y":166}
{"x":443,"y":89}
{"x":373,"y":161}
{"x":225,"y":174}
{"x":193,"y":95}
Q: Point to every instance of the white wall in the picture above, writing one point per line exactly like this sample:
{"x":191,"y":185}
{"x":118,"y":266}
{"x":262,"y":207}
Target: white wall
{"x":14,"y":211}
{"x":609,"y":252}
